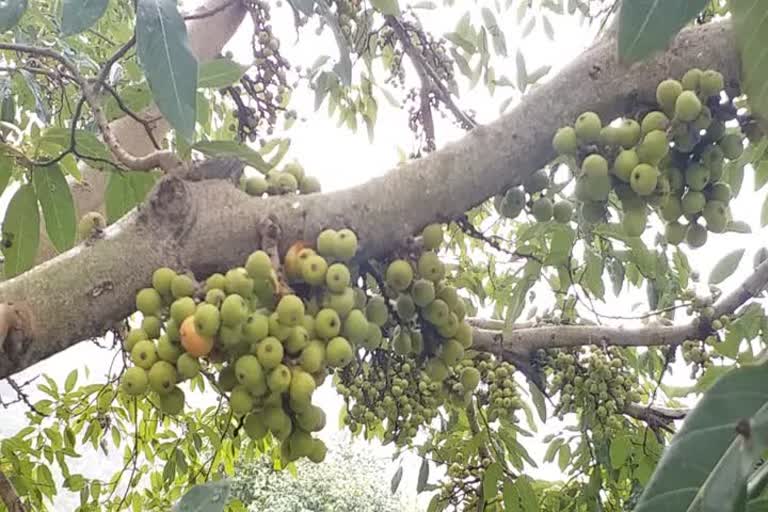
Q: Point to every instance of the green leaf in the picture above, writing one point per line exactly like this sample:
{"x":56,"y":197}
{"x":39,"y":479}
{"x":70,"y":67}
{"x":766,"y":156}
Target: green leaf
{"x":564,"y":456}
{"x":646,"y":26}
{"x":750,"y":27}
{"x":491,"y":481}
{"x":231,"y":148}
{"x":387,"y":7}
{"x":619,"y":451}
{"x":538,"y":400}
{"x":135,"y":97}
{"x":11,"y":12}
{"x":21,"y":231}
{"x":421,"y":483}
{"x":395,"y":483}
{"x":171,"y":68}
{"x":593,"y":274}
{"x":219,"y":73}
{"x":208,"y":497}
{"x":78,"y":15}
{"x":69,"y":384}
{"x":761,"y":174}
{"x":58,"y":207}
{"x":125,"y":191}
{"x":704,"y":439}
{"x":726,"y":266}
{"x":764,"y":213}
{"x":87,"y":144}
{"x":497,"y":35}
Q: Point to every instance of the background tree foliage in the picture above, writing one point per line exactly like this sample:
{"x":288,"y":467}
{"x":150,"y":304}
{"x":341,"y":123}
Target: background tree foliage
{"x":110,"y":107}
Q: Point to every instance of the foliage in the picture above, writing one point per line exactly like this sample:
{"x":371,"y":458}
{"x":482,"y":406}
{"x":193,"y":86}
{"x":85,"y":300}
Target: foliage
{"x":604,"y":221}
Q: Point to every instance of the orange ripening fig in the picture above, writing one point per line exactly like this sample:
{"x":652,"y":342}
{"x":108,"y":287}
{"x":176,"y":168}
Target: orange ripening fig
{"x":193,"y":342}
{"x":293,"y":259}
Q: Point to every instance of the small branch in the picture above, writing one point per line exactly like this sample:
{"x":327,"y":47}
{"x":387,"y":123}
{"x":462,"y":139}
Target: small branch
{"x":429,"y":78}
{"x":655,"y":416}
{"x":9,"y":496}
{"x":165,"y":160}
{"x":23,"y":395}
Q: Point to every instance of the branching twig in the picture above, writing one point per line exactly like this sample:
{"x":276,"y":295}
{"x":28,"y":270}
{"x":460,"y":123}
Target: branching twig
{"x":23,"y":395}
{"x":9,"y":496}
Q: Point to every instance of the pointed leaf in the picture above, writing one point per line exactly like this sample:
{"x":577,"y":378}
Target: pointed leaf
{"x":6,"y":169}
{"x":646,"y":26}
{"x":208,"y":497}
{"x":538,"y":401}
{"x":219,"y":73}
{"x":619,"y":451}
{"x":11,"y":12}
{"x":69,"y":384}
{"x":421,"y":483}
{"x":21,"y":232}
{"x":491,"y":481}
{"x":78,"y":15}
{"x":764,"y":213}
{"x":58,"y":207}
{"x":750,"y":26}
{"x":704,"y":439}
{"x":396,"y":480}
{"x":726,"y":266}
{"x":171,"y":68}
{"x":761,"y":174}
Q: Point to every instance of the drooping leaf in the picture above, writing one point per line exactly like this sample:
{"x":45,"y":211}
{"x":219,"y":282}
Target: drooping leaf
{"x":219,"y":73}
{"x":751,"y":31}
{"x":387,"y":7}
{"x":21,"y":231}
{"x":395,"y":483}
{"x":87,"y":144}
{"x":704,"y":439}
{"x":6,"y":169}
{"x":208,"y":497}
{"x":125,"y":191}
{"x":11,"y":12}
{"x":764,"y":213}
{"x":231,"y":148}
{"x":304,"y":6}
{"x":538,"y":400}
{"x":491,"y":481}
{"x":421,"y":483}
{"x":58,"y":207}
{"x":619,"y":451}
{"x":761,"y":174}
{"x":726,"y":266}
{"x":78,"y":15}
{"x":171,"y":68}
{"x":646,"y":26}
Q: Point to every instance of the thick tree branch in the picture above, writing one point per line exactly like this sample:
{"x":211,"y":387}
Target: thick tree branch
{"x":520,"y":343}
{"x":185,"y":225}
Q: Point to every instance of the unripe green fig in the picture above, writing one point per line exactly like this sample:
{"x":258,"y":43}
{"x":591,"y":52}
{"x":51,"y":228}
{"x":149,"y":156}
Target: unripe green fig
{"x":432,"y":236}
{"x":565,"y":142}
{"x":207,"y":320}
{"x":399,"y":275}
{"x":629,"y":133}
{"x":134,"y":381}
{"x":563,"y":211}
{"x":719,"y":191}
{"x":512,"y":203}
{"x":732,"y":146}
{"x":587,"y":127}
{"x":671,"y":209}
{"x":172,"y":403}
{"x":687,"y":106}
{"x":696,"y":177}
{"x":536,"y":182}
{"x":339,"y":352}
{"x":643,"y":180}
{"x":693,"y":202}
{"x":674,"y":232}
{"x":430,"y":267}
{"x":542,"y":209}
{"x":696,"y":235}
{"x":149,"y":301}
{"x":625,"y":163}
{"x":346,"y":245}
{"x":711,"y":82}
{"x":314,"y":270}
{"x":691,"y":80}
{"x":594,"y":166}
{"x":90,"y":224}
{"x":182,"y":286}
{"x":654,"y":121}
{"x":309,"y":185}
{"x":161,"y":280}
{"x":653,"y":148}
{"x":716,"y":215}
{"x":667,"y":93}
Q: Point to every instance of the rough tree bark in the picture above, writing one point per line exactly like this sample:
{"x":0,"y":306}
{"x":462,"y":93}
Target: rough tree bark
{"x":185,"y":224}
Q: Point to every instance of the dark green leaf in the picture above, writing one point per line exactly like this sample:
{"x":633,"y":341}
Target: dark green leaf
{"x":58,"y":207}
{"x":738,"y":226}
{"x":390,"y":7}
{"x":421,"y":483}
{"x":704,"y":439}
{"x":538,"y":401}
{"x":619,"y":451}
{"x":761,"y":174}
{"x":219,"y":73}
{"x":21,"y":231}
{"x":726,"y":266}
{"x":396,"y":480}
{"x":305,"y":6}
{"x":78,"y":15}
{"x":564,"y":456}
{"x":125,"y":191}
{"x":171,"y":68}
{"x":11,"y":12}
{"x":646,"y":26}
{"x":751,"y":31}
{"x":231,"y":148}
{"x":208,"y":497}
{"x":491,"y":481}
{"x":87,"y":144}
{"x":511,"y":497}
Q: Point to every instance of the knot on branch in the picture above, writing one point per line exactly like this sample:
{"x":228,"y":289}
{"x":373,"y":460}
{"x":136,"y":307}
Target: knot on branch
{"x":170,"y":207}
{"x":15,"y":329}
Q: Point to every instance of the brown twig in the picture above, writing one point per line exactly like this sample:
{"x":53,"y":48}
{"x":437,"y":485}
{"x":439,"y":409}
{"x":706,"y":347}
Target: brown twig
{"x":23,"y":395}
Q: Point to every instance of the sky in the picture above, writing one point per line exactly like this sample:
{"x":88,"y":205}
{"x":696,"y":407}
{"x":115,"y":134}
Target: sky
{"x":341,"y":158}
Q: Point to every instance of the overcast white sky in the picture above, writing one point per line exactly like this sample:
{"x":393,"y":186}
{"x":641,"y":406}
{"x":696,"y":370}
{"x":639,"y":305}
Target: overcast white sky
{"x":340,"y":158}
